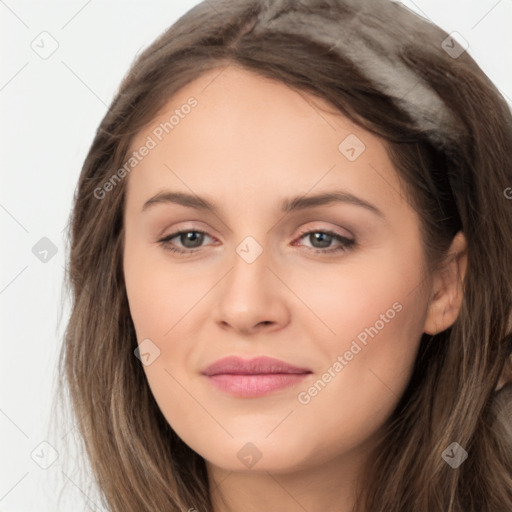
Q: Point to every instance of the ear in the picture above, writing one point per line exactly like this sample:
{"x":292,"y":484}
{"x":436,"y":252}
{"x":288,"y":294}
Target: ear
{"x":447,"y":288}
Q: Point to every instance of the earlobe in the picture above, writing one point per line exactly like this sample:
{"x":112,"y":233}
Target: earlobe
{"x":447,"y":288}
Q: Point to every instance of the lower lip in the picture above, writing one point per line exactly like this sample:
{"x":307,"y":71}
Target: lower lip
{"x":255,"y":385}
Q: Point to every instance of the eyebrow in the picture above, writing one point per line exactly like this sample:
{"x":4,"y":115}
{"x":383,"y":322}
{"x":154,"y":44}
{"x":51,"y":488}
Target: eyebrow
{"x":287,"y":206}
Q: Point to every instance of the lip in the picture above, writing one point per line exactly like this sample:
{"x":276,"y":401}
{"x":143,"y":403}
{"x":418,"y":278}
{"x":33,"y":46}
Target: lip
{"x":253,"y":377}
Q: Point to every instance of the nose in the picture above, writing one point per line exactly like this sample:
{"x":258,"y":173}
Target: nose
{"x":251,"y":298}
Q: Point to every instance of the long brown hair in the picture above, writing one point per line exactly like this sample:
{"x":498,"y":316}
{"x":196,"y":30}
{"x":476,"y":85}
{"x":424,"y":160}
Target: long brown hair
{"x":448,"y":132}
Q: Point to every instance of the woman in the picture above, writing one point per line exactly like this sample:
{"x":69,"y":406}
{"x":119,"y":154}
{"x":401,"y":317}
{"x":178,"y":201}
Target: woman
{"x":290,"y":263}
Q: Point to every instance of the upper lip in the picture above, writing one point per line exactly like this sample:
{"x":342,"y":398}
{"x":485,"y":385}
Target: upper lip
{"x":260,"y":365}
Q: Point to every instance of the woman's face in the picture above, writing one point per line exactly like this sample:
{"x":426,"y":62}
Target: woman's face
{"x":310,"y":255}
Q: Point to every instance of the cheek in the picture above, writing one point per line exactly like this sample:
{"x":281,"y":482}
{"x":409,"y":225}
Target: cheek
{"x":365,"y":374}
{"x":375,"y":313}
{"x":159,"y":294}
{"x":364,"y":295}
{"x":161,"y":301}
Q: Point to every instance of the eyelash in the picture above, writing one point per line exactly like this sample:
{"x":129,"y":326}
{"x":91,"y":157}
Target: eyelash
{"x":346,"y":243}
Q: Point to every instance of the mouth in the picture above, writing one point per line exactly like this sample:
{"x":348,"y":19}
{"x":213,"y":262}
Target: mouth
{"x":254,"y":377}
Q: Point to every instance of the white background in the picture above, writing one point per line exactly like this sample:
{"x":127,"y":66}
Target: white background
{"x":50,"y":109}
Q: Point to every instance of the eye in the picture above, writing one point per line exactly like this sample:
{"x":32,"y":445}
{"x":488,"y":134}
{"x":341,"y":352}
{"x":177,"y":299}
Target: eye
{"x":191,"y":239}
{"x":321,"y":241}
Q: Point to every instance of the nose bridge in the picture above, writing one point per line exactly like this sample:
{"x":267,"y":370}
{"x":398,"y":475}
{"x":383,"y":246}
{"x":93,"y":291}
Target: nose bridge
{"x":250,"y":250}
{"x":249,"y":273}
{"x":249,"y":295}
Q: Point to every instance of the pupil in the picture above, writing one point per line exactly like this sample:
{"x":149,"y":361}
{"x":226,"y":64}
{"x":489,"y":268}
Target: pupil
{"x":191,"y":236}
{"x":323,"y":238}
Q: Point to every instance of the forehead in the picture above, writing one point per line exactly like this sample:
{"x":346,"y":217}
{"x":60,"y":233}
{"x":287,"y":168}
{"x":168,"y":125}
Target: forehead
{"x":233,"y":130}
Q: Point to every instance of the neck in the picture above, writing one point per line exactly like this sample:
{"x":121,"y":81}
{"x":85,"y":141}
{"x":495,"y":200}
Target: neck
{"x":325,"y":488}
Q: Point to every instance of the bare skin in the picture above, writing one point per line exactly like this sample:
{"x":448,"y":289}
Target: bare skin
{"x":249,"y":144}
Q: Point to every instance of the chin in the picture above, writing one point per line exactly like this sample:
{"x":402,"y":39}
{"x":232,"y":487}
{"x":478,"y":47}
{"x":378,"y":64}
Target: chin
{"x":252,"y":454}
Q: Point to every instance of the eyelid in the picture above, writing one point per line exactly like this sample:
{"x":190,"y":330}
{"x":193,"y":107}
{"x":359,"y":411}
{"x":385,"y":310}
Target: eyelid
{"x":301,"y":230}
{"x":336,"y":230}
